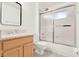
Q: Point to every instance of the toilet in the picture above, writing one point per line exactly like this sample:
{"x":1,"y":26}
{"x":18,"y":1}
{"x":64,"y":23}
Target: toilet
{"x":40,"y":47}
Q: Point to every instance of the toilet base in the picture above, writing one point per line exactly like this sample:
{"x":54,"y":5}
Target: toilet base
{"x":40,"y":49}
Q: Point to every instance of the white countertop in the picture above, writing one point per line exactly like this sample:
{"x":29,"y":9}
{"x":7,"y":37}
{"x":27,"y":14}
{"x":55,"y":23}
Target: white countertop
{"x":15,"y":36}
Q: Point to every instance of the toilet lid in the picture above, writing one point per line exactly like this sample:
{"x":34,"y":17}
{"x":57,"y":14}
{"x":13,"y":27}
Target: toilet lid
{"x":42,"y":43}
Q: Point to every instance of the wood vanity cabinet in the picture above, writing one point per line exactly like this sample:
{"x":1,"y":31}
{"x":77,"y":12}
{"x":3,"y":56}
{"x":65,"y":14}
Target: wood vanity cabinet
{"x":17,"y":47}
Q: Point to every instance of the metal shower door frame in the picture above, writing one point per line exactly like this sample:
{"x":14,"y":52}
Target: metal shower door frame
{"x":53,"y":25}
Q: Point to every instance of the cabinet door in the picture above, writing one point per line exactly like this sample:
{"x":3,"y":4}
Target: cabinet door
{"x":16,"y":52}
{"x":28,"y":50}
{"x":0,"y":49}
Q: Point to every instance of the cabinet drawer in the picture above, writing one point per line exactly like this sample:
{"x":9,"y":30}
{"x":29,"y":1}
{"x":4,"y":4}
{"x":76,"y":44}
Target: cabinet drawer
{"x":16,"y":42}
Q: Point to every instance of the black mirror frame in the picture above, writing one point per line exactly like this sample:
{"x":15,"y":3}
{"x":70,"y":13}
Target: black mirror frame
{"x":20,"y":15}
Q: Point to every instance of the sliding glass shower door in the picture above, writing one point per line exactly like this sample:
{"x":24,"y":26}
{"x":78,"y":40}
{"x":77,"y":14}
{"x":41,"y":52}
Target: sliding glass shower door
{"x":59,"y":26}
{"x":46,"y":27}
{"x":64,"y":26}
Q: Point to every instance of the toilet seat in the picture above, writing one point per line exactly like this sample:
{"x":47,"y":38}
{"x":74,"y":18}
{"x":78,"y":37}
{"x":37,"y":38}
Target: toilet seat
{"x":40,"y":47}
{"x":41,"y":43}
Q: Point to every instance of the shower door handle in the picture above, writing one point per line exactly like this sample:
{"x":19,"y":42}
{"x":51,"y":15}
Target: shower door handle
{"x":63,"y":25}
{"x":66,"y":25}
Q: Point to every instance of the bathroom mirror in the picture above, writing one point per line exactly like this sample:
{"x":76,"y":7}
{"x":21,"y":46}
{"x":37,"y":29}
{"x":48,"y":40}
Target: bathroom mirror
{"x":11,"y":13}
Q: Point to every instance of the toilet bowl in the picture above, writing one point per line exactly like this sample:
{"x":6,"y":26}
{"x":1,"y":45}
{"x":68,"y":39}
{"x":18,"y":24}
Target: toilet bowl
{"x":40,"y":47}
